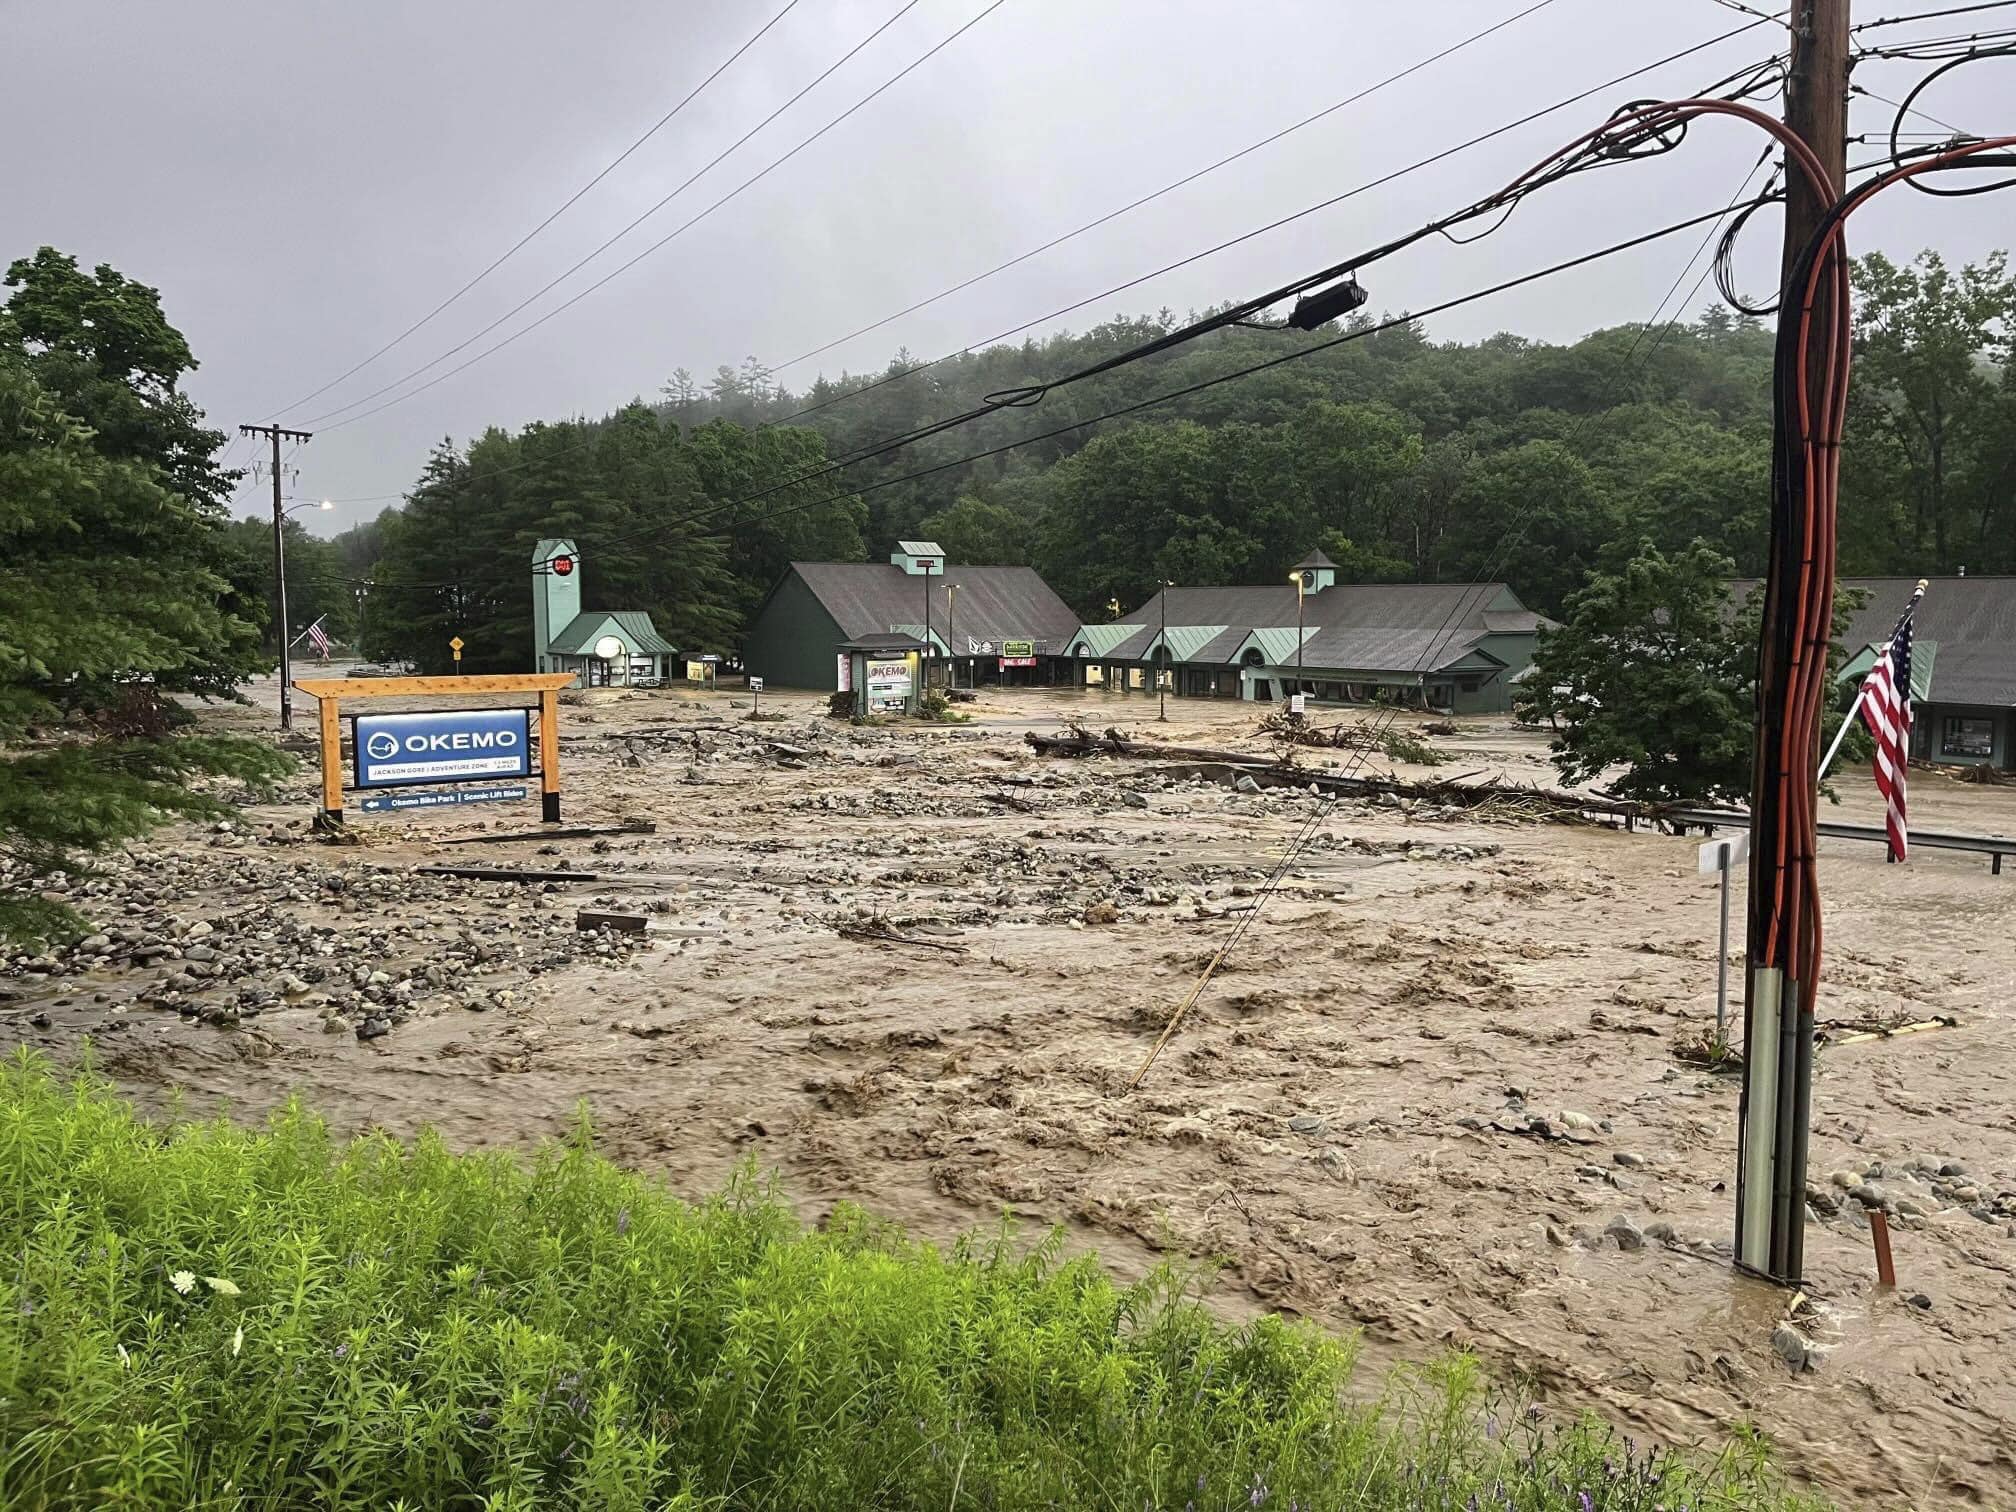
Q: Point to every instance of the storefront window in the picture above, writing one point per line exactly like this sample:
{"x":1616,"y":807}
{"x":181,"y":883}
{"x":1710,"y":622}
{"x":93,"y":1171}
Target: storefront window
{"x":1967,"y":735}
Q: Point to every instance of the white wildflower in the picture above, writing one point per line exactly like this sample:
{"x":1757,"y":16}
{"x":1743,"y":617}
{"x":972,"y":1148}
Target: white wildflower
{"x":183,"y":1281}
{"x":221,"y":1286}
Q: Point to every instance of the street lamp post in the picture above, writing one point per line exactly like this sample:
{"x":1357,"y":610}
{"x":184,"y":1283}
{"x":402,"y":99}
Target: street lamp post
{"x":280,"y":597}
{"x":1301,"y":581}
{"x":951,"y":641}
{"x":1161,"y":686}
{"x":924,"y":666}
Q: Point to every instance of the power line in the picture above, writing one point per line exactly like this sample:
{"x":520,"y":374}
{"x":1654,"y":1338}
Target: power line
{"x":1172,"y":186}
{"x":1369,"y":185}
{"x":1274,"y":225}
{"x":621,"y":268}
{"x":564,"y":207}
{"x":1357,"y":334}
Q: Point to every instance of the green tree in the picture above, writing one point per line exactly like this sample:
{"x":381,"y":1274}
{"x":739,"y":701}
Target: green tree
{"x":113,"y":601}
{"x":1655,"y":671}
{"x":1932,"y":364}
{"x":982,"y":533}
{"x":1649,"y":673}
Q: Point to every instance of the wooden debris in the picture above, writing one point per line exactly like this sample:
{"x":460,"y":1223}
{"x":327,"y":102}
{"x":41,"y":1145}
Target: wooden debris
{"x":575,"y":832}
{"x":504,"y":874}
{"x":622,"y":923}
{"x":1490,"y":800}
{"x":884,"y":935}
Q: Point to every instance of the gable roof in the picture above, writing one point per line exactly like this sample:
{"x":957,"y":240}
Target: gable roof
{"x":1370,"y":627}
{"x":993,"y":603}
{"x":578,"y":636}
{"x":1971,"y":620}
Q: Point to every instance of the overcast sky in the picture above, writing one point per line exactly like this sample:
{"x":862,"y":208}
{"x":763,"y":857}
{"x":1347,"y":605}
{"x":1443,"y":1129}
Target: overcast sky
{"x":304,"y":180}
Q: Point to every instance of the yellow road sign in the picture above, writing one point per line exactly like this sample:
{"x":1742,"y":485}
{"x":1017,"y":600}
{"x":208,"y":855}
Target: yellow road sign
{"x":455,"y":645}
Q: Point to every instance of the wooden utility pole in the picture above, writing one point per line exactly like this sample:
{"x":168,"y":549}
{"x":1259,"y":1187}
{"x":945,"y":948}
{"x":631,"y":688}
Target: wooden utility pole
{"x":276,"y":434}
{"x":1777,"y":1013}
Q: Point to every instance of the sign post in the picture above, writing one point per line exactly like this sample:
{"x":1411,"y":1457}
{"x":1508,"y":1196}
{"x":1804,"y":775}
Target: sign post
{"x":451,"y":746}
{"x":455,"y":645}
{"x":1720,"y":855}
{"x":755,"y":696}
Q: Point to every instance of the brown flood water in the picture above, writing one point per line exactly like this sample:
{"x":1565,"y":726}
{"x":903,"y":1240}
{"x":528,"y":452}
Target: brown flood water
{"x":1324,"y":1117}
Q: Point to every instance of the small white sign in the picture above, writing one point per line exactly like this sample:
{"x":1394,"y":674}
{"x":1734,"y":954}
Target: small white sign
{"x":755,"y":685}
{"x":1295,"y":702}
{"x":1730,"y":851}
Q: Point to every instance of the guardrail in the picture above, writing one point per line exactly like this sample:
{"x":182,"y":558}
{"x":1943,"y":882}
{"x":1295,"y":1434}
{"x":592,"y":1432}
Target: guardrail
{"x":1995,"y":847}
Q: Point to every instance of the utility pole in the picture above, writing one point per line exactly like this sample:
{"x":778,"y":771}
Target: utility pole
{"x":276,"y":434}
{"x":1777,"y":1001}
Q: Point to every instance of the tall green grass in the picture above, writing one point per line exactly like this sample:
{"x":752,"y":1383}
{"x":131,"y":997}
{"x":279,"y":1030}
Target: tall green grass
{"x":217,"y":1317}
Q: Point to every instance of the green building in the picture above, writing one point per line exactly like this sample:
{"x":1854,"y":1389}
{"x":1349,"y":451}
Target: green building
{"x":1963,"y":661}
{"x":604,"y":648}
{"x":1435,"y":645}
{"x":981,"y":625}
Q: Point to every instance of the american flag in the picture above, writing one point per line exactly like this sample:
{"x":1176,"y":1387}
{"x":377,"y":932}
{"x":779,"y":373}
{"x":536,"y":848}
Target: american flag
{"x":319,"y":638}
{"x":1886,"y":708}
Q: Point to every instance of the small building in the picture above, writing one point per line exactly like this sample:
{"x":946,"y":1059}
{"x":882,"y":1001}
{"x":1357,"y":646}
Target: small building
{"x":1963,"y":662}
{"x":1433,"y":645}
{"x":978,"y":625}
{"x":604,"y":648}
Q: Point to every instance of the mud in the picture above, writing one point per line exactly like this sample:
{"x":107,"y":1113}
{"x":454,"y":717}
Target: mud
{"x":1437,"y":1068}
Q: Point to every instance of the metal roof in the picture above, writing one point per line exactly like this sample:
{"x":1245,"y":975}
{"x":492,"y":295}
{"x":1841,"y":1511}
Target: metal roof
{"x":578,"y":637}
{"x":921,"y":548}
{"x":1360,"y":627}
{"x":1972,"y":620}
{"x":992,"y":603}
{"x":1099,"y":640}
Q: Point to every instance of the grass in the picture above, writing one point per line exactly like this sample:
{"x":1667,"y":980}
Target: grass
{"x":207,"y":1316}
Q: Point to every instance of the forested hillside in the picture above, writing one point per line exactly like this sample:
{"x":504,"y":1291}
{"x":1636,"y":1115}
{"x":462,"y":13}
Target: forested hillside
{"x":1402,"y":456}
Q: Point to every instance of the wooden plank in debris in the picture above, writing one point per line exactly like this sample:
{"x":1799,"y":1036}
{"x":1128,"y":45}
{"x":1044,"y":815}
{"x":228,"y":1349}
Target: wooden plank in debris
{"x":505,"y":874}
{"x":622,"y":923}
{"x":573,"y":832}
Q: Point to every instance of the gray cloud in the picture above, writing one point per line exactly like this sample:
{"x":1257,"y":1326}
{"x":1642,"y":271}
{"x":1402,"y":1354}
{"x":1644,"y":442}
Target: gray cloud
{"x":303,"y":181}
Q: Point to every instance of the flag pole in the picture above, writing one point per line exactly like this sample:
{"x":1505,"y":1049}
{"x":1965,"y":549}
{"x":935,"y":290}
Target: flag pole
{"x":304,"y":634}
{"x":1839,"y":736}
{"x":1856,"y":707}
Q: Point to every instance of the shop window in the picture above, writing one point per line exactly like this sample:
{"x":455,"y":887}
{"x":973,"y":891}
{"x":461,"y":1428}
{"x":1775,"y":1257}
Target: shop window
{"x":1468,"y":685}
{"x":1967,"y":735}
{"x":1095,"y":677}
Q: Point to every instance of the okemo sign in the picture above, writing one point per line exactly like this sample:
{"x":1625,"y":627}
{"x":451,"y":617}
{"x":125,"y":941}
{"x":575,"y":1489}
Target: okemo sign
{"x":455,"y":745}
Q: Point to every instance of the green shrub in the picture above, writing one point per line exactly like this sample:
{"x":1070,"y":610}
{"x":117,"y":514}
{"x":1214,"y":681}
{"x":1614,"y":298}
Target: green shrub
{"x":213,"y":1316}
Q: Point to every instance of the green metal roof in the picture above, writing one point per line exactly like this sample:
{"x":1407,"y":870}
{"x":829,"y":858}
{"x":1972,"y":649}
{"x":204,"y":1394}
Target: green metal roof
{"x":1276,"y":642}
{"x":633,"y":626}
{"x":1924,"y":657}
{"x":1185,"y":641}
{"x":1099,"y":639}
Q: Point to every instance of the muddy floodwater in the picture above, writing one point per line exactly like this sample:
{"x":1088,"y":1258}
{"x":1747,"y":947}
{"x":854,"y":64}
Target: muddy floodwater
{"x":1433,"y":1095}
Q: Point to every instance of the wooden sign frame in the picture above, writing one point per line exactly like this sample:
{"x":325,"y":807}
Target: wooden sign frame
{"x":330,"y":692}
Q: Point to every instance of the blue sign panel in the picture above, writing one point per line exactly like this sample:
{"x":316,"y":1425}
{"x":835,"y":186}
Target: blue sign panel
{"x":458,"y":745}
{"x":385,"y":803}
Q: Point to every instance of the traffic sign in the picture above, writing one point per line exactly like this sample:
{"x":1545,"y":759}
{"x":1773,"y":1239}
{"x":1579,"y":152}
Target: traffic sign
{"x":455,"y":645}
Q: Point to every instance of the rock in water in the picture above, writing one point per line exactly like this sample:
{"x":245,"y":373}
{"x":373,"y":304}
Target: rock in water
{"x":1794,"y":1348}
{"x":1627,"y":1234}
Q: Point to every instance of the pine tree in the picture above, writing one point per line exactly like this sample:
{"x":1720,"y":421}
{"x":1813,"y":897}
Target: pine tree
{"x":111,"y":567}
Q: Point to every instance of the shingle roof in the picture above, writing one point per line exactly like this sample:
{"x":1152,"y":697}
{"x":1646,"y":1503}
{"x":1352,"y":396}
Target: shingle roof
{"x":1972,"y":620}
{"x":1315,"y":559}
{"x":993,"y":603}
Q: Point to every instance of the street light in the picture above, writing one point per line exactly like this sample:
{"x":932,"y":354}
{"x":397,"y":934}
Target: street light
{"x":280,"y":592}
{"x":951,"y":641}
{"x":1161,"y":686}
{"x":1302,"y":578}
